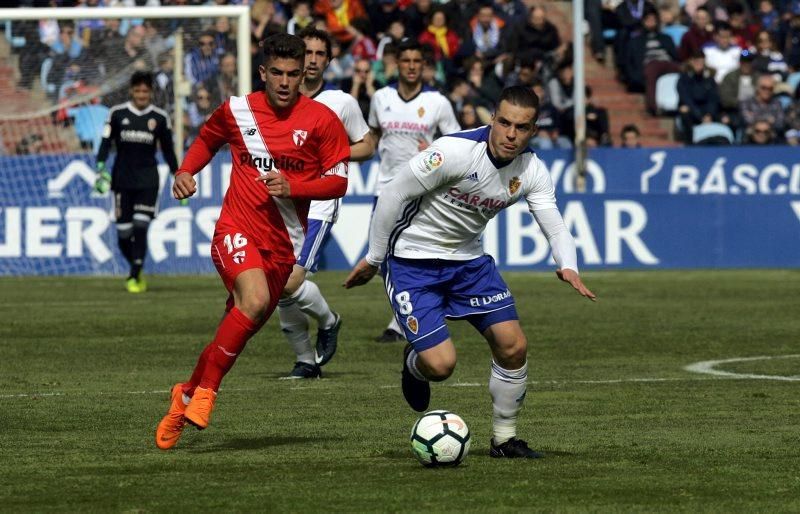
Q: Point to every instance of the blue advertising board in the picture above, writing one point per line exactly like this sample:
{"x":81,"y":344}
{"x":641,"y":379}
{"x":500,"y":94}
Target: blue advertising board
{"x":645,"y":208}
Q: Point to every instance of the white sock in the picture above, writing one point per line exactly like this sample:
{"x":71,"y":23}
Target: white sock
{"x":294,"y":325}
{"x":394,"y":325}
{"x":310,"y":300}
{"x":411,"y":362}
{"x":507,"y":387}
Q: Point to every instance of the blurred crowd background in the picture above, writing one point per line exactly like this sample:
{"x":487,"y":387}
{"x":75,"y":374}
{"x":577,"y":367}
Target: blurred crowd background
{"x":700,"y":71}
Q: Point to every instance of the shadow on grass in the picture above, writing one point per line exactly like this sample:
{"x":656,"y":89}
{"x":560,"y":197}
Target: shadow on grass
{"x":261,"y":442}
{"x":479,"y":453}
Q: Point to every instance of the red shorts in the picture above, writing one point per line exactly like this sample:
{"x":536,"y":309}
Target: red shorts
{"x":233,"y":252}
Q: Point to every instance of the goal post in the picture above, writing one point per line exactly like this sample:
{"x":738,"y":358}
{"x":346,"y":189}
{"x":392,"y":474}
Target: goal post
{"x":61,"y":69}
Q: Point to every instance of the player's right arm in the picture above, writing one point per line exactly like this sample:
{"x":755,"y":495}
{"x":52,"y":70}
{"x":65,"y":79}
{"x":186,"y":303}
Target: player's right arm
{"x":213,"y":135}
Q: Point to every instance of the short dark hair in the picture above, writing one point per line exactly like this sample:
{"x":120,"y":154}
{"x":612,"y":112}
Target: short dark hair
{"x":630,"y":127}
{"x":406,"y":45}
{"x":313,"y":33}
{"x":285,"y":46}
{"x":142,"y":78}
{"x":521,"y":96}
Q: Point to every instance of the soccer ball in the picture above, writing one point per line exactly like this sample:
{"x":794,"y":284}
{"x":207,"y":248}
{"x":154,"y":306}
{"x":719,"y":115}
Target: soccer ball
{"x":440,"y":438}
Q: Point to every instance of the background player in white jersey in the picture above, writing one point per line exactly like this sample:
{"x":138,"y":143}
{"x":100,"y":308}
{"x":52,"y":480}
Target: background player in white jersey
{"x":405,"y":117}
{"x":302,"y":298}
{"x":436,"y":267}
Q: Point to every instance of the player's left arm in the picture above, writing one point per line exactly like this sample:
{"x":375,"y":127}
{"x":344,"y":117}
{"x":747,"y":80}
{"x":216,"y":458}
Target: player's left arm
{"x":334,"y":151}
{"x":542,"y":204}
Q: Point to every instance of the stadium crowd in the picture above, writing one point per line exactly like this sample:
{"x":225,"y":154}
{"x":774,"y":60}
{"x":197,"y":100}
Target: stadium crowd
{"x":727,"y":70}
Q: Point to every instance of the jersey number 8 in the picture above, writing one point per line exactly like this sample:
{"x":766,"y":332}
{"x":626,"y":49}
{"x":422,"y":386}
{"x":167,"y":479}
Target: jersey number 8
{"x":403,"y":300}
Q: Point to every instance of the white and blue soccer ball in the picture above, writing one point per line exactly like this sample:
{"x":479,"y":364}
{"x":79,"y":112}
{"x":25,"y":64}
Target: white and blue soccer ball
{"x":440,"y":438}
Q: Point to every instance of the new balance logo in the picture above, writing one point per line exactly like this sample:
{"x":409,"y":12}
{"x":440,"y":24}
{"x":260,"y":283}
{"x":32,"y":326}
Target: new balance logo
{"x":473,"y":177}
{"x":249,"y":132}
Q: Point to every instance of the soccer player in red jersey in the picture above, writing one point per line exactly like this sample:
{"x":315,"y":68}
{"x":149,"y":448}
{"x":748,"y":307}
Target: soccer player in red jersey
{"x":287,"y":150}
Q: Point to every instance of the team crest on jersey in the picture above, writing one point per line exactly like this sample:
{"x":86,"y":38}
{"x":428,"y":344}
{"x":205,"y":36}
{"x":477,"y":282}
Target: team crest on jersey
{"x":421,"y":112}
{"x":433,"y":160}
{"x":126,"y":121}
{"x":299,"y":137}
{"x":412,"y":324}
{"x":513,"y":185}
{"x":151,"y":124}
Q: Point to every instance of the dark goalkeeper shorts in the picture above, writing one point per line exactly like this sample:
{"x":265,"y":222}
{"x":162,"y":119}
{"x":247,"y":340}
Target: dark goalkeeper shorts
{"x":140,"y":204}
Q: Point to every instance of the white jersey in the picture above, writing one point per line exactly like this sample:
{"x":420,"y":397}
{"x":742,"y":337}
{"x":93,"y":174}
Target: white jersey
{"x":467,"y":187}
{"x":404,"y":123}
{"x":346,"y":108}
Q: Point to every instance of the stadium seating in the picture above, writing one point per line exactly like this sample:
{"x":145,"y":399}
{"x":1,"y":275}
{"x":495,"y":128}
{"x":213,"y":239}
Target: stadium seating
{"x":712,"y":133}
{"x":667,"y":93}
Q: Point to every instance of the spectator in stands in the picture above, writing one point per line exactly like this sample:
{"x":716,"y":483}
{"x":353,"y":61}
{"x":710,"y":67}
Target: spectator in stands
{"x":163,"y":86}
{"x":202,"y":62}
{"x":199,"y":110}
{"x":700,"y":33}
{"x":630,"y":137}
{"x":105,"y":39}
{"x":382,"y":15}
{"x":361,"y":85}
{"x":593,"y":14}
{"x":385,"y":70}
{"x":769,"y":17}
{"x":417,"y":17}
{"x":226,"y":83}
{"x":548,"y":135}
{"x":560,"y":87}
{"x":256,"y":59}
{"x":264,"y":19}
{"x":650,"y":55}
{"x":792,"y":134}
{"x":761,"y":133}
{"x":743,"y":29}
{"x":629,"y":15}
{"x":791,"y":48}
{"x":340,"y":66}
{"x":596,"y":121}
{"x":736,"y":87}
{"x":768,"y":59}
{"x":698,"y":96}
{"x":441,"y":38}
{"x":468,"y":117}
{"x":362,"y":46}
{"x":394,"y":34}
{"x":487,"y":33}
{"x":483,"y":81}
{"x":512,"y":11}
{"x":224,"y":38}
{"x":338,"y":15}
{"x":764,"y":106}
{"x":535,"y":34}
{"x":722,"y":56}
{"x":301,"y":17}
{"x":527,"y":72}
{"x":433,"y":76}
{"x":32,"y":144}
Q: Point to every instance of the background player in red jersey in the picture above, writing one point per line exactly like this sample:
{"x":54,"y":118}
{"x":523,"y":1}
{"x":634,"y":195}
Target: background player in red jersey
{"x":287,"y":150}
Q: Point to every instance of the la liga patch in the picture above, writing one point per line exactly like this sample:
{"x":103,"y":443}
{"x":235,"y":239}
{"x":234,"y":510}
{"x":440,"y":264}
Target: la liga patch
{"x":433,"y":160}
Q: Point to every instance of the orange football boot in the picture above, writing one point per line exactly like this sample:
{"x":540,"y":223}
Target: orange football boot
{"x":198,"y":412}
{"x":170,"y":428}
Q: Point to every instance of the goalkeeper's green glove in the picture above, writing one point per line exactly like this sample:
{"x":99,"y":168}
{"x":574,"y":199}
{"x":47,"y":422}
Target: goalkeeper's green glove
{"x":103,"y":182}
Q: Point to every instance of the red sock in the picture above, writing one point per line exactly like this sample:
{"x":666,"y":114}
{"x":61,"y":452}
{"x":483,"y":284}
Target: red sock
{"x":232,"y":335}
{"x":197,"y":374}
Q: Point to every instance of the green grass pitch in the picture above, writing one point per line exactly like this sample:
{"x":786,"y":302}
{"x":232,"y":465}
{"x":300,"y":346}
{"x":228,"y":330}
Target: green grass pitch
{"x":85,"y":369}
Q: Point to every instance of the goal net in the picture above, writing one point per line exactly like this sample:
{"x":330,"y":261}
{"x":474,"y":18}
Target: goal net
{"x":61,"y":70}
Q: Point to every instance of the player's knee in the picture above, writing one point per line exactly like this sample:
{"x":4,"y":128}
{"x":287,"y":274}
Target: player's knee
{"x":514,"y":355}
{"x":124,"y":230}
{"x":440,"y":369}
{"x":255,"y":305}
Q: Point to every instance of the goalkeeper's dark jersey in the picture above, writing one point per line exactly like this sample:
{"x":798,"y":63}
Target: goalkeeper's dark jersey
{"x":135,"y":134}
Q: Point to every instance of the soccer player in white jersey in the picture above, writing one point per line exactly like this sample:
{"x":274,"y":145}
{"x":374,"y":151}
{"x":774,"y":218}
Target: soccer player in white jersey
{"x":404,"y":117}
{"x":434,"y":266}
{"x":302,"y":298}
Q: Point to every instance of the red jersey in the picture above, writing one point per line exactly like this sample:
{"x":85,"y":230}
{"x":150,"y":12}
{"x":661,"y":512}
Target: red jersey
{"x":306,"y":142}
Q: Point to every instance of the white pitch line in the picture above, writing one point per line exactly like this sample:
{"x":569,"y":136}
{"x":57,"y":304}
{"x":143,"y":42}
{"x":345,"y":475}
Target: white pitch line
{"x":707,"y":368}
